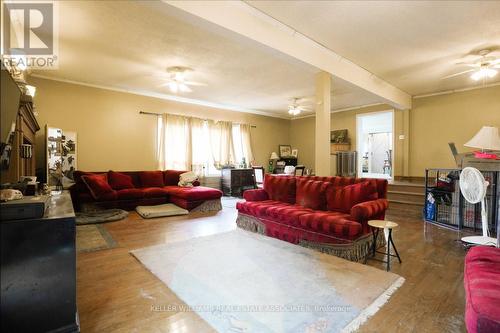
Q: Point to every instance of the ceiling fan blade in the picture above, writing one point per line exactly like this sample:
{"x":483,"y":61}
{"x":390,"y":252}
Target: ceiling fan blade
{"x":457,"y":74}
{"x":191,"y":83}
{"x":184,"y":88}
{"x":468,"y":64}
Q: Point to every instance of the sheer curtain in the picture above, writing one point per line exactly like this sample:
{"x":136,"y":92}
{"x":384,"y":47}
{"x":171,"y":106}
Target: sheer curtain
{"x":221,"y":142}
{"x":174,"y":146}
{"x":246,"y":143}
{"x":200,"y":146}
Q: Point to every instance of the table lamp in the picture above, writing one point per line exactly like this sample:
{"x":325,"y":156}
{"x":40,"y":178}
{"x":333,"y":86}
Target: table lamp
{"x":486,"y":139}
{"x":273,"y":158}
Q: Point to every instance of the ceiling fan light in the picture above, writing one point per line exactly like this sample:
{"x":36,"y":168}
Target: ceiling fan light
{"x":183,"y":87}
{"x":483,"y":73}
{"x":173,"y":86}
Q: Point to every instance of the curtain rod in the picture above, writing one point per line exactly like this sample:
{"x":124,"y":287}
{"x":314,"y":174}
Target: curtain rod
{"x":159,"y":115}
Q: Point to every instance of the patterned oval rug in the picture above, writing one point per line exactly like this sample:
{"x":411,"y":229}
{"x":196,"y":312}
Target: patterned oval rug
{"x":100,"y":216}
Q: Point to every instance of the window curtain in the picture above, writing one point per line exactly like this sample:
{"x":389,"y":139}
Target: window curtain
{"x":174,"y":146}
{"x":221,"y":143}
{"x":246,"y":142}
{"x":199,"y":146}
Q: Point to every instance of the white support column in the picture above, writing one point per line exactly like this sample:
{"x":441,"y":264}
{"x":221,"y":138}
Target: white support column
{"x":322,"y":133}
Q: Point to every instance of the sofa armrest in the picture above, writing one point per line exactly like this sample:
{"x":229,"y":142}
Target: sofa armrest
{"x":255,"y":195}
{"x":374,"y":209}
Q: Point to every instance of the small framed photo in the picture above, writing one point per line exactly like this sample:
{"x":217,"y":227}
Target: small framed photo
{"x":285,"y":150}
{"x":295,"y":153}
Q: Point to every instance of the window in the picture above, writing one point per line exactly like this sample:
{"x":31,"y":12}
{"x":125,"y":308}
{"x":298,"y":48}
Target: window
{"x":200,"y":145}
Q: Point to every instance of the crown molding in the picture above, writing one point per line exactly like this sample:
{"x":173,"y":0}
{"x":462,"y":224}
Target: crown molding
{"x":446,"y":92}
{"x":165,"y":97}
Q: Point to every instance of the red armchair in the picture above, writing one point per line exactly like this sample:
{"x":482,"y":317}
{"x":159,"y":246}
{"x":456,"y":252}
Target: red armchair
{"x":327,"y":213}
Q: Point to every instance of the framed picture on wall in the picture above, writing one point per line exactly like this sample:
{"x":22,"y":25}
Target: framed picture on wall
{"x":285,"y":150}
{"x":339,"y":136}
{"x":295,"y":153}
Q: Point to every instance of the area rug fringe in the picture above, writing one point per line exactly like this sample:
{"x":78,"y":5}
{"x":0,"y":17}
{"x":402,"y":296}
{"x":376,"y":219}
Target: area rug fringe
{"x":356,"y":251}
{"x":374,"y":307}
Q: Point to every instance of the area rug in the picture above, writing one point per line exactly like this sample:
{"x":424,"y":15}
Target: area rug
{"x":100,"y":216}
{"x":244,"y":282}
{"x":93,"y":237}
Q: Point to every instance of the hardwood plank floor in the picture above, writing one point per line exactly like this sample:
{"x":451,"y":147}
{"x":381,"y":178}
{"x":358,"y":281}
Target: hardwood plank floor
{"x":116,"y":293}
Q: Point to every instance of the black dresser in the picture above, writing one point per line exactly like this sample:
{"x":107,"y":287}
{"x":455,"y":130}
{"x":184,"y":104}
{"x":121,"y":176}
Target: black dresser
{"x":235,"y":181}
{"x":38,"y":271}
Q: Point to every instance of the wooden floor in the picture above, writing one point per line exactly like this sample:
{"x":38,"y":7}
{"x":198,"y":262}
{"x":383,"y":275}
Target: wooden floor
{"x":116,"y":293}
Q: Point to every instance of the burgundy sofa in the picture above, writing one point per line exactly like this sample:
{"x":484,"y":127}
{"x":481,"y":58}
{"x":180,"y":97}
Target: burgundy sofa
{"x":129,"y":189}
{"x":482,"y":289}
{"x":326,"y":213}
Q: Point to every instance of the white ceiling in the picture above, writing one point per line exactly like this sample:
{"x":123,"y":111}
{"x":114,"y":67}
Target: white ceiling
{"x":125,"y":45}
{"x":410,"y":44}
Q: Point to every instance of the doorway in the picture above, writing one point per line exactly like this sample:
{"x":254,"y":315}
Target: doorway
{"x":375,"y":142}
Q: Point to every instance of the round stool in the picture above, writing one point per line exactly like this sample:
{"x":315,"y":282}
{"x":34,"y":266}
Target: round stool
{"x":376,"y":226}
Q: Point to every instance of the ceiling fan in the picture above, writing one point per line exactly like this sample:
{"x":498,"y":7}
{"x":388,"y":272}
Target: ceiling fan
{"x":296,"y":107}
{"x":176,"y":79}
{"x":486,"y":67}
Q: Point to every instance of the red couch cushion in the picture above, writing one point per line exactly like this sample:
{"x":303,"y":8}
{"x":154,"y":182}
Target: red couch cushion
{"x":151,"y":178}
{"x":119,"y":181}
{"x":342,"y":199}
{"x":482,"y":289}
{"x":97,"y":185}
{"x":193,"y":193}
{"x":311,"y":194}
{"x":130,"y":193}
{"x":331,"y":223}
{"x":289,"y":214}
{"x":171,"y":177}
{"x":154,"y":192}
{"x":280,"y":188}
{"x":258,"y":208}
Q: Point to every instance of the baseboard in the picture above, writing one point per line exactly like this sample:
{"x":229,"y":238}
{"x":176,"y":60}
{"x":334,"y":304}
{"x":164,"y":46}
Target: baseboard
{"x":411,"y":179}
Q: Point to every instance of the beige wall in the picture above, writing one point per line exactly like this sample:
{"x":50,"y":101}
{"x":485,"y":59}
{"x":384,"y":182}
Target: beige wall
{"x":437,"y":120}
{"x":428,"y":127}
{"x":113,"y":135}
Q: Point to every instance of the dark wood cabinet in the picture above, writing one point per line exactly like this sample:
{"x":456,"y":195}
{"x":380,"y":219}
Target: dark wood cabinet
{"x":22,"y":161}
{"x":235,"y":181}
{"x":38,"y":271}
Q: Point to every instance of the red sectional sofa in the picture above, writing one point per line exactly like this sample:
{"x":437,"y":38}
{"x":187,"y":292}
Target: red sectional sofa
{"x":326,"y":213}
{"x":482,"y":289}
{"x":129,"y":189}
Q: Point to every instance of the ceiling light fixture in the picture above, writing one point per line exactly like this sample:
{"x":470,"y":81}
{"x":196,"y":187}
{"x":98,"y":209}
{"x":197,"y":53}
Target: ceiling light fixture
{"x":483,"y":72}
{"x":293,"y":110}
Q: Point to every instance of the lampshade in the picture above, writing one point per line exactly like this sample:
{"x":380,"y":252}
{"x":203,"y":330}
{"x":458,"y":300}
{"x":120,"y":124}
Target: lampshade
{"x":486,"y":138}
{"x":274,"y":156}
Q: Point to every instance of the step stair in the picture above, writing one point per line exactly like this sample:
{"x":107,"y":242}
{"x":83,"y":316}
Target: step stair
{"x":406,"y":198}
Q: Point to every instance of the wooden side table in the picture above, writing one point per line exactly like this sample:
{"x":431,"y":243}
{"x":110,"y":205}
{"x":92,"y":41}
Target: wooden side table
{"x":376,"y":226}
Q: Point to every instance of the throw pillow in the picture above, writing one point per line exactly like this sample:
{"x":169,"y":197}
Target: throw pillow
{"x":311,"y":193}
{"x":151,"y":178}
{"x":97,"y":185}
{"x":187,"y":179}
{"x":342,"y":199}
{"x":119,"y":181}
{"x":280,"y":188}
